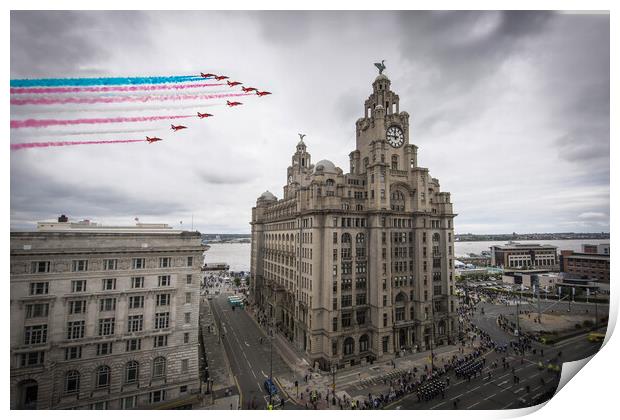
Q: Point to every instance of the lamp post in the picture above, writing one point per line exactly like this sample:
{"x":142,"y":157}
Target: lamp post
{"x":334,"y":368}
{"x":270,"y":359}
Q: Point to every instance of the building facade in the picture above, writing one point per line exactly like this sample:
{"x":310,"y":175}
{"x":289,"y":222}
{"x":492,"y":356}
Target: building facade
{"x":525,"y":256}
{"x":585,"y":265}
{"x":104,"y":317}
{"x":357,"y":266}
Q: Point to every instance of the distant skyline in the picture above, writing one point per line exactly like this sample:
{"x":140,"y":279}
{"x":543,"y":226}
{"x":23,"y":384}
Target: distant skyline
{"x":510,"y":111}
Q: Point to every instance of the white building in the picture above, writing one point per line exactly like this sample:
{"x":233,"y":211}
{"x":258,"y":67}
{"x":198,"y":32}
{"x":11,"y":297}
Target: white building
{"x":104,"y":317}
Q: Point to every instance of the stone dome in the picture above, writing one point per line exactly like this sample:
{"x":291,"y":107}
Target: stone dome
{"x":382,"y":77}
{"x":327,"y":166}
{"x":268,"y":196}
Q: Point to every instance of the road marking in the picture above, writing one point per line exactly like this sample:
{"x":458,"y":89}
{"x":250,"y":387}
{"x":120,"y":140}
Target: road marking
{"x":490,"y":396}
{"x":246,"y":343}
{"x":438,"y":405}
{"x":500,"y":384}
{"x":519,"y":390}
{"x":264,"y":374}
{"x":474,"y":404}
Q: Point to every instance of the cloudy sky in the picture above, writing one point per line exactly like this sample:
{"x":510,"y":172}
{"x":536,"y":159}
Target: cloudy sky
{"x":510,"y":112}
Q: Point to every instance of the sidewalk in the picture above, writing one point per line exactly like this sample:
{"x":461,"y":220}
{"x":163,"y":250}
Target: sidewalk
{"x":217,"y":361}
{"x":223,"y":403}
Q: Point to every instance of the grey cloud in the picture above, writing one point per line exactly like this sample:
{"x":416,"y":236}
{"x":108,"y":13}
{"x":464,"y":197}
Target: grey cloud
{"x":583,"y":146}
{"x":223,"y":178}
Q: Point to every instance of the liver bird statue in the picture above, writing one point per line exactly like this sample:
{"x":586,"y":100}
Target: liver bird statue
{"x":380,"y":66}
{"x":301,"y":136}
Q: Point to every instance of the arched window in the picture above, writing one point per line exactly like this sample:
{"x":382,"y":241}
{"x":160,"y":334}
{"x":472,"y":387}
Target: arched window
{"x":132,"y":370}
{"x":329,"y":182}
{"x":346,"y":238}
{"x":159,"y":367}
{"x":436,"y":237}
{"x":72,"y":382}
{"x":349,"y":346}
{"x":102,"y":377}
{"x":394,"y":162}
{"x":365,"y":162}
{"x":360,"y":238}
{"x":364,"y":343}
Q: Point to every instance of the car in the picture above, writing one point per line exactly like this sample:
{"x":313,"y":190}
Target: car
{"x":596,"y":337}
{"x":270,"y":387}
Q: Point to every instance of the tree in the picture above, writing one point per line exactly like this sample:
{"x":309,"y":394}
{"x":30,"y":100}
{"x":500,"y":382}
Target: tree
{"x":237,"y":281}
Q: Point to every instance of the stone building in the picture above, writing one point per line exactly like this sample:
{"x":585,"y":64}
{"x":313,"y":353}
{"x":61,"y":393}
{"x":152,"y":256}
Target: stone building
{"x":358,"y":266}
{"x":525,"y":256}
{"x":104,"y":317}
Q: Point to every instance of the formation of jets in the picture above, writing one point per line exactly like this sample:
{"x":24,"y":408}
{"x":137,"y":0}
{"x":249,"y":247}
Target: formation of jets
{"x":200,"y":115}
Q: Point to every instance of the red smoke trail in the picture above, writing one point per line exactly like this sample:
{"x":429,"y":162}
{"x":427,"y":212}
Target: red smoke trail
{"x":109,"y":88}
{"x":20,"y":146}
{"x":32,"y":123}
{"x":117,"y":99}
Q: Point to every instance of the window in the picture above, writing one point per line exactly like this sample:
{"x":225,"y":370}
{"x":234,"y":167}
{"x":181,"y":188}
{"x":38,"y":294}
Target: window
{"x":39,"y":288}
{"x":183,"y":389}
{"x":188,"y":297}
{"x":78,"y":286}
{"x":75,"y":330}
{"x":188,"y":279}
{"x":190,"y":261}
{"x":385,"y":320}
{"x":107,"y":304}
{"x":162,"y":319}
{"x":164,"y":262}
{"x":104,"y":349}
{"x":110,"y":264}
{"x":188,"y":317}
{"x":138,"y":263}
{"x":160,"y":341}
{"x":136,"y":302}
{"x":41,"y":267}
{"x":186,"y":338}
{"x":163,"y":281}
{"x":133,"y":345}
{"x":31,"y":359}
{"x":132,"y":370}
{"x":72,"y":353}
{"x":37,"y":310}
{"x":134,"y":323}
{"x":128,"y":403}
{"x":348,"y":346}
{"x":79,"y":265}
{"x":108,"y":284}
{"x":184,"y":365}
{"x":384,"y":300}
{"x":335,"y":324}
{"x":157,"y":396}
{"x":137,"y":282}
{"x":106,"y":326}
{"x":72,"y":382}
{"x":360,"y":317}
{"x":346,"y":320}
{"x":346,"y":301}
{"x":103,"y":377}
{"x":77,"y":307}
{"x":159,"y":367}
{"x":163,"y":300}
{"x":100,"y":405}
{"x":385,"y":342}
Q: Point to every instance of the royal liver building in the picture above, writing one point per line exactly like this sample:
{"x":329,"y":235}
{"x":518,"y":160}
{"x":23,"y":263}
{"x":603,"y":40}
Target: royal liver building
{"x":358,"y":266}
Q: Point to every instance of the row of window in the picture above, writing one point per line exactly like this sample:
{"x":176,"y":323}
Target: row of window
{"x":101,"y":349}
{"x":78,"y":286}
{"x":131,"y":374}
{"x":108,"y":264}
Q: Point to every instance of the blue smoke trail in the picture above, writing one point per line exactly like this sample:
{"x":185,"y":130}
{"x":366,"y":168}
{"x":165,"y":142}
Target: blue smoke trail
{"x":91,"y":81}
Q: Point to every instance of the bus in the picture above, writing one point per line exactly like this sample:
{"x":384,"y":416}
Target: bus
{"x":235,"y":301}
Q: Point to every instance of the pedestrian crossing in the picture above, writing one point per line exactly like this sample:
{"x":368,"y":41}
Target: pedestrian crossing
{"x":378,"y":380}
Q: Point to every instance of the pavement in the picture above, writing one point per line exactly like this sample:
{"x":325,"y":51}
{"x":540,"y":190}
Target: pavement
{"x":217,"y":362}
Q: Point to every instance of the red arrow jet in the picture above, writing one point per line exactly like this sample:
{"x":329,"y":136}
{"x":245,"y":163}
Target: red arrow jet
{"x":221,"y":77}
{"x":233,"y":103}
{"x":231,"y":84}
{"x":205,"y":75}
{"x":263,"y":93}
{"x":177,"y":127}
{"x":204,"y":115}
{"x":152,"y":139}
{"x":248,"y":89}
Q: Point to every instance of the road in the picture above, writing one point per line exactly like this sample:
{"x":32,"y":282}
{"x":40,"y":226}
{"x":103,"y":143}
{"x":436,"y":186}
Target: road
{"x":250,"y":360}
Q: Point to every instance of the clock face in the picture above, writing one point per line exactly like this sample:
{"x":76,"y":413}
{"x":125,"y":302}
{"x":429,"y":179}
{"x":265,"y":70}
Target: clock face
{"x":395,"y":136}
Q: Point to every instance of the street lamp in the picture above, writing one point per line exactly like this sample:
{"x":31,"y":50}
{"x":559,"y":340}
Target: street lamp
{"x":270,"y":360}
{"x":334,"y":368}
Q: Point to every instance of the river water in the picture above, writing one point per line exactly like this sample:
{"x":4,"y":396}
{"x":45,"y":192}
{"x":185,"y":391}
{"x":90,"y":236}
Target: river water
{"x":238,"y":255}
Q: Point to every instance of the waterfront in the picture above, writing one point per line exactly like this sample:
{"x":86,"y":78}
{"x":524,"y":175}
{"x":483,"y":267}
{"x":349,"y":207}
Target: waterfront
{"x":238,"y":255}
